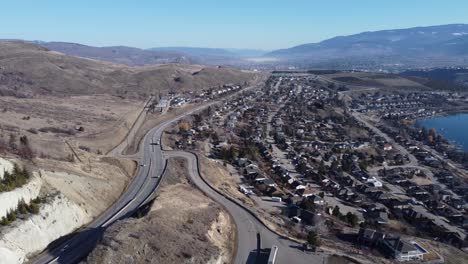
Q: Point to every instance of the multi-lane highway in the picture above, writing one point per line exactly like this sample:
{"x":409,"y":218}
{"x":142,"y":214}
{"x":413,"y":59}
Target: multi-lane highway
{"x":152,"y":165}
{"x":248,"y":226}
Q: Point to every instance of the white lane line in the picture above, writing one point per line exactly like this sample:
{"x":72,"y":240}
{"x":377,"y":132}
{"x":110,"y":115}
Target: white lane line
{"x":54,"y":260}
{"x":112,"y":218}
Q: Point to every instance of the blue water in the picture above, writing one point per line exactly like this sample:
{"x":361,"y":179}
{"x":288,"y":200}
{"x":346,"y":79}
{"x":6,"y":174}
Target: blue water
{"x":453,"y":127}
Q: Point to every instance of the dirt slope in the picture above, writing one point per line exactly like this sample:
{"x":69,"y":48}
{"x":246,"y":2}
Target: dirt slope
{"x":27,"y":69}
{"x":183,"y":226}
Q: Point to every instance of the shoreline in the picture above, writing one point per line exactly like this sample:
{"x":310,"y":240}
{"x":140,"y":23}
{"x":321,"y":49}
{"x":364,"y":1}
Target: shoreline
{"x":445,"y":114}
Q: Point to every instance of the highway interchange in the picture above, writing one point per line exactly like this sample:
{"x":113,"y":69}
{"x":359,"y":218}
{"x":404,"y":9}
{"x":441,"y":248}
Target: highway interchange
{"x":152,"y":166}
{"x":139,"y":191}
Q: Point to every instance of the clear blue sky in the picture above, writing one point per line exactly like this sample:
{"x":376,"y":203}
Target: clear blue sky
{"x":267,"y":24}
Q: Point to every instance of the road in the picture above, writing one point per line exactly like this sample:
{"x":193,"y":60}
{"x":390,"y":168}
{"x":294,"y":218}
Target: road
{"x":72,"y":248}
{"x":248,"y":226}
{"x":138,"y":193}
{"x":413,"y":160}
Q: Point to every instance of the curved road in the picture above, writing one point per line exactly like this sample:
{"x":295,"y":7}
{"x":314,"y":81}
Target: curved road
{"x":74,"y":247}
{"x":247,"y":225}
{"x":138,"y":192}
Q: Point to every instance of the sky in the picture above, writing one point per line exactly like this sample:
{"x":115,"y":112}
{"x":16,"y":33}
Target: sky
{"x":257,"y":24}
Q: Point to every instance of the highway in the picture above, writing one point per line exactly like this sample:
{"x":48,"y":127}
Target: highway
{"x":248,"y":226}
{"x":153,"y":160}
{"x":139,"y":191}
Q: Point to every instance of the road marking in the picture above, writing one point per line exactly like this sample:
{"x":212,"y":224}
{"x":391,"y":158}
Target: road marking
{"x":116,"y":214}
{"x":54,"y":260}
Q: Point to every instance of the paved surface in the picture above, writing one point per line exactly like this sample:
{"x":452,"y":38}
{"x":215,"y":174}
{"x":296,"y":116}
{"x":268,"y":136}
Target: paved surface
{"x":138,"y":192}
{"x":248,"y":226}
{"x":72,"y":248}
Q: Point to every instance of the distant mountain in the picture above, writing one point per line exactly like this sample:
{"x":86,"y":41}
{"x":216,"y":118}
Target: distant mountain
{"x":412,"y":47}
{"x":118,"y":54}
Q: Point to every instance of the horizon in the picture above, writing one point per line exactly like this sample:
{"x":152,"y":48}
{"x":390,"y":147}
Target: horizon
{"x":224,"y":48}
{"x":208,"y":24}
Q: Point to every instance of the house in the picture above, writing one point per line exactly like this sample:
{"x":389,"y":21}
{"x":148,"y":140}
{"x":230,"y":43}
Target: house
{"x":402,"y":250}
{"x":269,"y":183}
{"x":445,"y":196}
{"x":243,"y":162}
{"x":387,"y":147}
{"x":373,"y":182}
{"x":305,"y":192}
{"x":251,"y":171}
{"x":369,"y":237}
{"x":398,"y":204}
{"x":245,"y":189}
{"x":456,"y":203}
{"x":376,"y":217}
{"x":316,"y":199}
{"x":307,"y":217}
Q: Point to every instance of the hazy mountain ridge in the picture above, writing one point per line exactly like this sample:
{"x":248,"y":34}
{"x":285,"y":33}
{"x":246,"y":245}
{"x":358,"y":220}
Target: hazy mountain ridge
{"x":409,"y":46}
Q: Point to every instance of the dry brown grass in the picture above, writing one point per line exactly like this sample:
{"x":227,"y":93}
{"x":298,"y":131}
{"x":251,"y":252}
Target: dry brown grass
{"x":375,"y":80}
{"x":104,"y":118}
{"x":451,"y":254}
{"x":218,"y":177}
{"x":153,"y":120}
{"x":183,"y":226}
{"x":28,"y":69}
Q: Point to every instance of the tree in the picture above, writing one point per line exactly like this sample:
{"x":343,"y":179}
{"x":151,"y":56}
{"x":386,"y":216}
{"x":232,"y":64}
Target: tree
{"x":313,"y":239}
{"x":34,"y":208}
{"x":11,"y":216}
{"x":352,"y":219}
{"x":321,"y":169}
{"x":336,"y":211}
{"x":22,"y":207}
{"x":322,"y":194}
{"x":24,"y":141}
{"x":4,"y":221}
{"x":308,"y":205}
{"x":184,"y":126}
{"x":197,"y":119}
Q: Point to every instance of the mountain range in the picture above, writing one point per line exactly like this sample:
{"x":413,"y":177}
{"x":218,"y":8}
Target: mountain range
{"x":443,"y":45}
{"x":418,"y":47}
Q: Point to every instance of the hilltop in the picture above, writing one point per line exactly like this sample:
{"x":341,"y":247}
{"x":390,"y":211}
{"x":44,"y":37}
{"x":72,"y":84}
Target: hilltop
{"x":118,"y":54}
{"x":27,"y":69}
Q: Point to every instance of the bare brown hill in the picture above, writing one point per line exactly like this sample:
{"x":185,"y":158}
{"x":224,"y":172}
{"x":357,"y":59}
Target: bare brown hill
{"x":27,"y":69}
{"x":118,"y":54}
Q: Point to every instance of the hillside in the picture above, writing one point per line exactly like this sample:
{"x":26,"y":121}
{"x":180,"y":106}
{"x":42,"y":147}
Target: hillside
{"x":118,"y":54}
{"x":420,"y":46}
{"x":27,"y":69}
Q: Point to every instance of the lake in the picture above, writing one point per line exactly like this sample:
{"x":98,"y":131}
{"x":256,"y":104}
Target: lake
{"x":452,"y":127}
